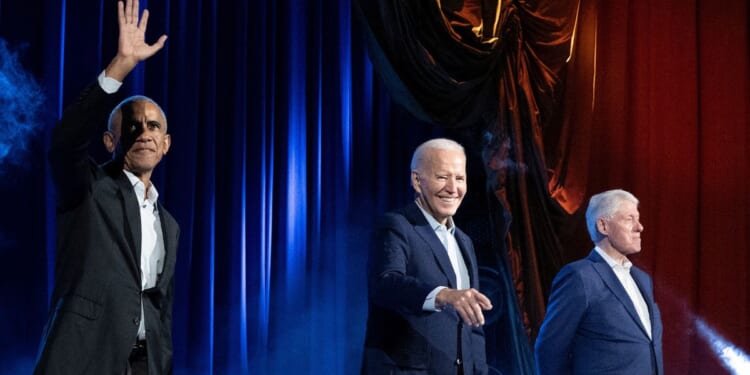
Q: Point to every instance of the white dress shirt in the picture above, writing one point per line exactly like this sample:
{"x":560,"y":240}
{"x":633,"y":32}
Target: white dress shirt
{"x":623,"y":274}
{"x":445,"y":234}
{"x":152,"y":239}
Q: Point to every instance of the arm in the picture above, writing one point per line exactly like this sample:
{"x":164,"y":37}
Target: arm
{"x":567,"y":306}
{"x":70,"y":139}
{"x":468,"y":303}
{"x":390,"y":285}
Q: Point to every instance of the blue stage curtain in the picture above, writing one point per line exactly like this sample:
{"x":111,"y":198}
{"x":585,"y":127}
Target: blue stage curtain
{"x":275,"y":187}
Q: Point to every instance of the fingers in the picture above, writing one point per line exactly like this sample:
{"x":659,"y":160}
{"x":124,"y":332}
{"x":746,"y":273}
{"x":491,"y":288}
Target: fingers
{"x":471,"y":314}
{"x":143,"y":23}
{"x":478,"y":315}
{"x":154,"y":48}
{"x":469,"y":304}
{"x":131,"y":11}
{"x":120,"y":13}
{"x":159,"y":43}
{"x":127,"y":13}
{"x":483,"y":301}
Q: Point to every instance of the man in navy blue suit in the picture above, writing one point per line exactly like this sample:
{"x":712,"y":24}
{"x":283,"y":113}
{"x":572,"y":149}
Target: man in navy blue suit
{"x":425,"y":312}
{"x":601,"y":317}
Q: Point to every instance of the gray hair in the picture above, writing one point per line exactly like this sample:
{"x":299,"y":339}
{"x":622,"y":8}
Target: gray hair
{"x":134,"y":99}
{"x":605,"y":205}
{"x":433,"y":144}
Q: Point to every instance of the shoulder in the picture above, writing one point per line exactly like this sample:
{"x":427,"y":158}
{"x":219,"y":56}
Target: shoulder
{"x":579,"y":266}
{"x":582,"y":270}
{"x":402,"y":217}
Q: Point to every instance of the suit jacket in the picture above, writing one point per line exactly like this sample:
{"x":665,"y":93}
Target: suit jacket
{"x":409,"y":261}
{"x":95,"y":309}
{"x":592,"y":327}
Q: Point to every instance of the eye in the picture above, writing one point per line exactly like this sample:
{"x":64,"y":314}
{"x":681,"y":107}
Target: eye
{"x":154,"y":125}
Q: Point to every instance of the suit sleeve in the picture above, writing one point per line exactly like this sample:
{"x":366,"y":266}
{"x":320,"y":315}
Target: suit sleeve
{"x":69,"y":147}
{"x":566,"y":307}
{"x":391,"y":286}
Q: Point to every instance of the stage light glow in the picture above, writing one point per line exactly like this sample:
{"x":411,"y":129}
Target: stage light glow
{"x":732,"y":357}
{"x":21,"y":100}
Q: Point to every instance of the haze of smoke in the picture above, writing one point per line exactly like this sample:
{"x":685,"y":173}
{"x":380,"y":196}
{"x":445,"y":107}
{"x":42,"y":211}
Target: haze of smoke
{"x":21,"y":100}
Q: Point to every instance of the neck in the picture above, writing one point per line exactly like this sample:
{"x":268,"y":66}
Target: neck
{"x":145,"y":177}
{"x":614,"y":254}
{"x":425,"y":206}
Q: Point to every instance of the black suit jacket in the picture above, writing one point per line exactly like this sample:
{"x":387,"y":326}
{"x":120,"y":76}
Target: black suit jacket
{"x":96,"y":303}
{"x":408,"y":261}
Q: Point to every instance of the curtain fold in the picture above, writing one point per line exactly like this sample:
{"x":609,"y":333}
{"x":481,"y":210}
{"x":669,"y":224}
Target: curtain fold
{"x":493,"y":67}
{"x":290,"y":139}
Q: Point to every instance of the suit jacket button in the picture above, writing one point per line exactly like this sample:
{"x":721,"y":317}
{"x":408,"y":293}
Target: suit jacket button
{"x":136,"y":321}
{"x":458,"y":361}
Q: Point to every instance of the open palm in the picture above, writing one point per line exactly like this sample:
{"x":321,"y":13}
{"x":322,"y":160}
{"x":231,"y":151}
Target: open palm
{"x":132,"y":43}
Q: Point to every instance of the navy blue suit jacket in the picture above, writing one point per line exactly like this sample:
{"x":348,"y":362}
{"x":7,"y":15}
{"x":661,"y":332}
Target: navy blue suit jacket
{"x":592,"y":327}
{"x":409,"y":261}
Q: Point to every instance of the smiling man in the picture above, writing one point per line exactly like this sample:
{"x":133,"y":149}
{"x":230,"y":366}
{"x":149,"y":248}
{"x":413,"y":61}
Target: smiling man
{"x":425,"y":312}
{"x":601,"y":317}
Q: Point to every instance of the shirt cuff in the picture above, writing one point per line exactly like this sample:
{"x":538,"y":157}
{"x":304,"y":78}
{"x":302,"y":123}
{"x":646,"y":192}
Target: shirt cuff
{"x":429,"y":302}
{"x":108,"y":84}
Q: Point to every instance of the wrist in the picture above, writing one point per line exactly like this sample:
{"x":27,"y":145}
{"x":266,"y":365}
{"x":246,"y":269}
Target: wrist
{"x":119,"y":68}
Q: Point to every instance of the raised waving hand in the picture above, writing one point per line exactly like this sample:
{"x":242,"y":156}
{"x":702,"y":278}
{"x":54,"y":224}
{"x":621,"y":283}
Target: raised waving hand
{"x":132,"y":46}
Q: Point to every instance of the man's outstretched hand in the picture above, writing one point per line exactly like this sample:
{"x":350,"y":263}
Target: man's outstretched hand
{"x":469,"y":303}
{"x":132,"y":47}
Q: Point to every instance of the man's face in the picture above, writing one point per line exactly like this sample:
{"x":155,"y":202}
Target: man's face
{"x":142,"y":136}
{"x":623,"y":229}
{"x":440,"y":182}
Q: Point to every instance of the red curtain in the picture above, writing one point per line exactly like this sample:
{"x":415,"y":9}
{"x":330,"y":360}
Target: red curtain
{"x":670,"y":123}
{"x":586,"y":96}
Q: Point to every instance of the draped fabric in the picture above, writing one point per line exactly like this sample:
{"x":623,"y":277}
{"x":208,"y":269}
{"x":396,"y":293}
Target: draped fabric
{"x":650,"y":97}
{"x":494,"y":67}
{"x":275,"y":189}
{"x":287,"y":146}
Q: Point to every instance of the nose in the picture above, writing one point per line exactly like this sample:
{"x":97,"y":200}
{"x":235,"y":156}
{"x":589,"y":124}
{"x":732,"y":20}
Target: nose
{"x":638,"y":226}
{"x":450,"y":184}
{"x":142,"y":132}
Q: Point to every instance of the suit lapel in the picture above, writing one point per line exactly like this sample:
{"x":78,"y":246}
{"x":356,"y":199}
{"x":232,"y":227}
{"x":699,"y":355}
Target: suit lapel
{"x":613,"y":283}
{"x":423,"y":229}
{"x":170,"y":249}
{"x":129,"y":202}
{"x":132,"y":215}
{"x":641,"y":281}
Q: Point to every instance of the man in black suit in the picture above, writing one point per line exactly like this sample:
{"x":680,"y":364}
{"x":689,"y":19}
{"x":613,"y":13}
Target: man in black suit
{"x":425,"y":312}
{"x":111,"y":308}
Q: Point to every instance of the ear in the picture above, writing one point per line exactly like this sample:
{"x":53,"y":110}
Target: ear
{"x":167,"y":143}
{"x":109,"y":141}
{"x":601,"y":226}
{"x":415,"y":182}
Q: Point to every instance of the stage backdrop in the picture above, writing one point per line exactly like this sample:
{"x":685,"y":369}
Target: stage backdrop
{"x":287,"y":146}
